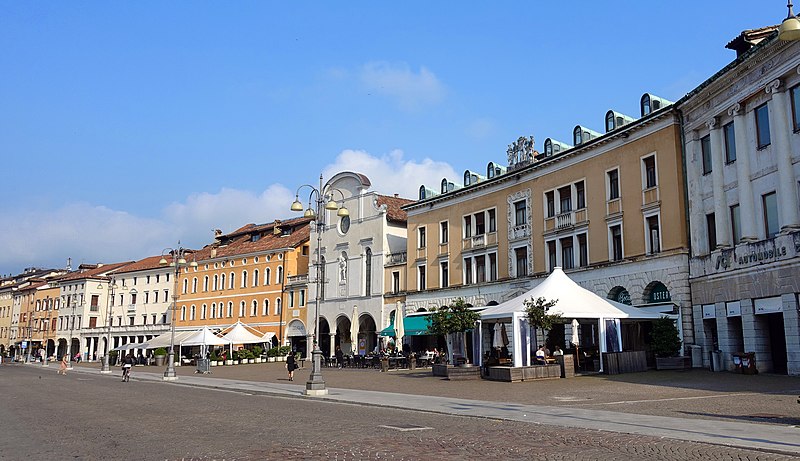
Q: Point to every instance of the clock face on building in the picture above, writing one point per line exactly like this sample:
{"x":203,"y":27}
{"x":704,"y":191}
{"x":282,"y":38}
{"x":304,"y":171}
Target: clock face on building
{"x":344,"y":224}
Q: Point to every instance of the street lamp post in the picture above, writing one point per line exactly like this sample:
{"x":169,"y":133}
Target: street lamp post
{"x":178,"y":260}
{"x":71,"y":328}
{"x":315,"y":384}
{"x":112,"y":285}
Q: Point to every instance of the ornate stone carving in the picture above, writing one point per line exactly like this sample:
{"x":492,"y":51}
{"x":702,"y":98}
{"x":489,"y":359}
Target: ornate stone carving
{"x":773,"y":86}
{"x":712,"y":123}
{"x":520,"y":152}
{"x":735,"y":110}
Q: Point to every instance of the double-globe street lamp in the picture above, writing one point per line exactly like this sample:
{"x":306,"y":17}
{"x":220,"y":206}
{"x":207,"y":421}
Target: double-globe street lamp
{"x":322,"y":200}
{"x":178,"y":256}
{"x":112,"y":286}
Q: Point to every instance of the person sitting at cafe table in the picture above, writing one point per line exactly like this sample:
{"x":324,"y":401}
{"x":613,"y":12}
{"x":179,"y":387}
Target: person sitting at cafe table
{"x":541,"y":357}
{"x":557,"y":352}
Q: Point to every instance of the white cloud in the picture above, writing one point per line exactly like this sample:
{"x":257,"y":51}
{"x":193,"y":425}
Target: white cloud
{"x":411,"y":90}
{"x":391,"y":173}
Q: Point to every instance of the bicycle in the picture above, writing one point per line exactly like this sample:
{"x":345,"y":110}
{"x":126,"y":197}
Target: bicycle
{"x":126,"y":373}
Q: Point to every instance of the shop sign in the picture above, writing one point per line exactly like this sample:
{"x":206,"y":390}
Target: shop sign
{"x":751,"y":254}
{"x":660,"y":294}
{"x":709,"y":311}
{"x":768,"y":305}
{"x":623,"y":297}
{"x":296,"y":329}
{"x":734,"y":309}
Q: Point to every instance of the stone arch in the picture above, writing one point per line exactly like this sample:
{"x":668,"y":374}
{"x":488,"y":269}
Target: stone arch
{"x":368,"y":330}
{"x":619,"y":294}
{"x":422,"y":309}
{"x":492,"y":303}
{"x":656,"y":292}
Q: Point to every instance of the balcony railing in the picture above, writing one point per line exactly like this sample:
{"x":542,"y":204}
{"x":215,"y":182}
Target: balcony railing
{"x":444,"y":248}
{"x":131,"y":308}
{"x":566,"y":219}
{"x":297,"y":279}
{"x":650,"y":196}
{"x":422,"y":253}
{"x":396,"y":258}
{"x":614,"y":206}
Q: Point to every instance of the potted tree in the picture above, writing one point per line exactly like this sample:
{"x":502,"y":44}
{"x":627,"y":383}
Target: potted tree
{"x":160,"y":356}
{"x":213,"y":359}
{"x":539,"y":317}
{"x":271,"y":354}
{"x":453,"y":320}
{"x":257,"y":351}
{"x":665,"y":342}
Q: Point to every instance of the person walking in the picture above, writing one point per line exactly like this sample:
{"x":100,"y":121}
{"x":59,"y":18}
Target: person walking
{"x":291,"y":365}
{"x":62,"y":369}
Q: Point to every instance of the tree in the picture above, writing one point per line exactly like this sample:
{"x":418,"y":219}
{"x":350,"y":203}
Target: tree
{"x":452,"y":319}
{"x":665,"y":340}
{"x":538,"y":316}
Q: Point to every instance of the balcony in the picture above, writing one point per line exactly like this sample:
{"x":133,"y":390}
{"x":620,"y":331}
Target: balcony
{"x":396,"y":258}
{"x":519,"y":231}
{"x":444,"y":249}
{"x":564,"y":220}
{"x":422,"y":253}
{"x":131,"y":308}
{"x":581,"y":216}
{"x":650,"y":197}
{"x":297,"y":280}
{"x":614,"y":206}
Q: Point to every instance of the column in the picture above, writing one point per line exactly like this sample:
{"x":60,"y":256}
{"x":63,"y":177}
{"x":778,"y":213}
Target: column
{"x":721,"y":212}
{"x":309,"y":345}
{"x":791,"y":326}
{"x":747,"y":213}
{"x":695,"y":202}
{"x":332,"y":346}
{"x":90,"y":354}
{"x":788,"y":213}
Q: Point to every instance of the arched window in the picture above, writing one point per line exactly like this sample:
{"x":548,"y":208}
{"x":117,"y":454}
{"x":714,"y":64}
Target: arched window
{"x":213,"y":311}
{"x":222,"y":282}
{"x":230,"y":309}
{"x":244,"y":279}
{"x":193,"y":315}
{"x":646,"y":109}
{"x":232,"y":281}
{"x":254,"y":309}
{"x":255,"y":277}
{"x":610,"y":122}
{"x":577,"y":136}
{"x":368,"y":272}
{"x":278,"y":305}
{"x":242,"y":309}
{"x":266,"y":307}
{"x":183,"y":312}
{"x":422,"y":192}
{"x":548,"y":147}
{"x":267,"y":276}
{"x":279,"y":278}
{"x":194,"y":285}
{"x":205,"y":283}
{"x":216,"y":282}
{"x":203,"y":312}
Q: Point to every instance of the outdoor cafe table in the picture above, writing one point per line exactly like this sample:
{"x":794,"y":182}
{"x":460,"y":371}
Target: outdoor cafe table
{"x":398,"y":361}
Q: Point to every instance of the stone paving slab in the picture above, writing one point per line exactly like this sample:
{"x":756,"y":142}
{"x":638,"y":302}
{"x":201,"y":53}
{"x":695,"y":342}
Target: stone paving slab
{"x":774,"y":438}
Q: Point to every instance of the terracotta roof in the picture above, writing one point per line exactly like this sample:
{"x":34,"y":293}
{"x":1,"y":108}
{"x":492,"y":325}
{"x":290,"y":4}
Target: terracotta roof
{"x":240,"y":241}
{"x":750,"y":37}
{"x":394,"y":212}
{"x":151,"y":262}
{"x":97,"y":272}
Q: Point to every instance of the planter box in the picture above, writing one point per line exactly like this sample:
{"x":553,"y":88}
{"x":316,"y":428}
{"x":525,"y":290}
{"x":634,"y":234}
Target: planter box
{"x":160,"y":360}
{"x":270,"y":359}
{"x":456,"y":373}
{"x":229,"y":362}
{"x":517,"y":374}
{"x":673,"y":363}
{"x":213,"y":363}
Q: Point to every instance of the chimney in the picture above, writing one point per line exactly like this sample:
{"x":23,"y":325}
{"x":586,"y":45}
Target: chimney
{"x":213,"y":252}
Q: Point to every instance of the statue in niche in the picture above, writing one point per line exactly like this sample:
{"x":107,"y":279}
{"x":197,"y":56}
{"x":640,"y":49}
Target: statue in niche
{"x":343,"y":268}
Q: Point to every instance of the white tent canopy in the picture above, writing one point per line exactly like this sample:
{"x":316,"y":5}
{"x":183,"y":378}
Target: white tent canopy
{"x":204,"y":337}
{"x":243,"y":334}
{"x":164,"y":339}
{"x":574,"y":302}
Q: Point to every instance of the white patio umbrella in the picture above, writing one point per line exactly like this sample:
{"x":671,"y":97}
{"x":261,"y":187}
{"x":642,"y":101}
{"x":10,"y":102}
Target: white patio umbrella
{"x":575,"y":340}
{"x":497,"y":342}
{"x":399,"y":330}
{"x":354,"y":331}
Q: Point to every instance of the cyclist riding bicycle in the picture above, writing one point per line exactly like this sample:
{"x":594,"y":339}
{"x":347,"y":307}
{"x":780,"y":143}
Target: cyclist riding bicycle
{"x":127,"y":364}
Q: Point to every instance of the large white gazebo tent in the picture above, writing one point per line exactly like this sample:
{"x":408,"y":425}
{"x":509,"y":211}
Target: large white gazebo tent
{"x":574,"y":302}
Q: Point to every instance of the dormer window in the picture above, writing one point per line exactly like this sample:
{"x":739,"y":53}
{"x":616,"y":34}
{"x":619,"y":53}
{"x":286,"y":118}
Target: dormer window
{"x":646,"y":109}
{"x":255,"y":237}
{"x":548,"y":147}
{"x":577,"y":136}
{"x":650,"y":103}
{"x":422,"y":192}
{"x":444,"y":185}
{"x":610,"y":122}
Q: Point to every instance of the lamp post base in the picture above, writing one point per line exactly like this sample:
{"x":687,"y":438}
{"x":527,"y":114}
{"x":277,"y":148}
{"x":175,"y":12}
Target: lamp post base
{"x":315,"y":386}
{"x":170,"y":374}
{"x":105,"y":367}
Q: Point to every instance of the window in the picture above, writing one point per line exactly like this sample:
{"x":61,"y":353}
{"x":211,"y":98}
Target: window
{"x":443,"y":235}
{"x":653,"y":234}
{"x":241,"y":309}
{"x":645,"y":105}
{"x":395,"y":282}
{"x":183,"y":312}
{"x":762,"y":126}
{"x":650,"y":172}
{"x":254,"y":309}
{"x":368,"y":272}
{"x":565,"y":199}
{"x":244,"y":279}
{"x":705,"y":150}
{"x":147,"y":297}
{"x":613,"y":184}
{"x":230,"y":309}
{"x":280,"y":273}
{"x":550,"y":203}
{"x":730,"y":142}
{"x":521,"y":259}
{"x":552,"y":260}
{"x":265,"y":310}
{"x":444,"y":274}
{"x":205,"y":283}
{"x":567,"y":255}
{"x":194,"y":285}
{"x":155,"y":296}
{"x":795,"y":93}
{"x":519,"y":213}
{"x":711,"y":231}
{"x":583,"y":251}
{"x":492,"y":220}
{"x":278,"y":306}
{"x":480,"y":223}
{"x":480,"y":269}
{"x":580,"y":195}
{"x":267,"y":276}
{"x":468,"y":271}
{"x":255,"y":277}
{"x":193,"y":314}
{"x":231,"y":281}
{"x":213,"y":311}
{"x":421,"y":278}
{"x":609,"y":121}
{"x":302,"y":298}
{"x":492,"y":267}
{"x":203,"y":312}
{"x":736,"y":229}
{"x":421,"y":241}
{"x":770,"y":203}
{"x":616,"y":242}
{"x":576,"y":136}
{"x":467,"y":227}
{"x":95,"y":303}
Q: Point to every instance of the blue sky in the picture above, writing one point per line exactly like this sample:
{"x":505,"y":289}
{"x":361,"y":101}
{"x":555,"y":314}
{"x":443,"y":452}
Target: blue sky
{"x":127,"y":126}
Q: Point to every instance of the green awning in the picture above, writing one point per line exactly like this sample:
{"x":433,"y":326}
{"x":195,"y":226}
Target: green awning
{"x":416,"y":325}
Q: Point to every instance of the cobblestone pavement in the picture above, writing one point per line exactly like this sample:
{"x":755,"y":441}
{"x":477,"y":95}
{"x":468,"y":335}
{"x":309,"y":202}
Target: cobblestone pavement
{"x":768,"y":399}
{"x":90,"y":416}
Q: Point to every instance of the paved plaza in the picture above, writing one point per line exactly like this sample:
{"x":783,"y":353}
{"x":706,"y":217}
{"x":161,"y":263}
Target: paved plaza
{"x":666,"y":415}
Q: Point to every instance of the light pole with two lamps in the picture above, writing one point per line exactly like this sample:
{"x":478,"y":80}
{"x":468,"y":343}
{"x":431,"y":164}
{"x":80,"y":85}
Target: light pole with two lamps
{"x":178,"y":260}
{"x":318,"y":196}
{"x":112,"y":286}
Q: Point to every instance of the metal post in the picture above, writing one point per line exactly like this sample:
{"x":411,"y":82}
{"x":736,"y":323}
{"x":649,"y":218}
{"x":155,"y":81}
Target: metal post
{"x":106,"y":366}
{"x":316,"y":384}
{"x":178,"y":260}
